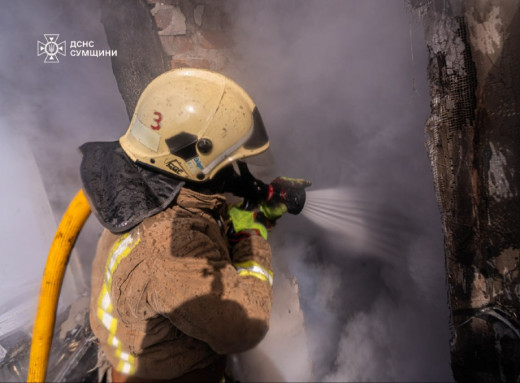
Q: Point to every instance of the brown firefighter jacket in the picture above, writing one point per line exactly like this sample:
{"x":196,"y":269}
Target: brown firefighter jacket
{"x":169,"y":295}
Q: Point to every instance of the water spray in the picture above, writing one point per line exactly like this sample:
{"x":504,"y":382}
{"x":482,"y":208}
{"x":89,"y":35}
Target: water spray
{"x":355,"y":222}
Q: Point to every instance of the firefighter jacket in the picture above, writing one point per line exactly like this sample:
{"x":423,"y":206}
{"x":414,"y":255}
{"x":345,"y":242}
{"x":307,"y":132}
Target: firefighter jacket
{"x":170,"y":295}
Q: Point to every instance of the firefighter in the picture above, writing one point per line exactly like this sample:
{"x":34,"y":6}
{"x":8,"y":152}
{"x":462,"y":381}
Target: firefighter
{"x":180,"y":278}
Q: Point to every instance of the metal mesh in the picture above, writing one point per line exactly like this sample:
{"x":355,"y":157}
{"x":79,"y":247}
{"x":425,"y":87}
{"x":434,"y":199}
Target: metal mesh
{"x":450,"y":125}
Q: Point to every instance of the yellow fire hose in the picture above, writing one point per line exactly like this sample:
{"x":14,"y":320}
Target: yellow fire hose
{"x":69,"y":228}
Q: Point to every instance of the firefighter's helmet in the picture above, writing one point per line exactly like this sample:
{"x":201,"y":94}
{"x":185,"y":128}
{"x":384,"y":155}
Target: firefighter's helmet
{"x":193,"y":122}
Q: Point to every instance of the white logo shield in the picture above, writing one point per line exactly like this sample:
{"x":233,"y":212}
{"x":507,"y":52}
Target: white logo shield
{"x":51,"y":48}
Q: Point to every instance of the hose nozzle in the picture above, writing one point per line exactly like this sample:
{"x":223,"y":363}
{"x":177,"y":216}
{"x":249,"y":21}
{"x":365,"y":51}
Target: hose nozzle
{"x":289,"y":191}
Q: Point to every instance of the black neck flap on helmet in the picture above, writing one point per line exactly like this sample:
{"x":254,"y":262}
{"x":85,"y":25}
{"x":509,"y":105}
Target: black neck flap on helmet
{"x":121,"y":193}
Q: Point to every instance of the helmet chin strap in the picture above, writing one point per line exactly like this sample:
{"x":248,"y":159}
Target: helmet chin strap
{"x":227,"y":180}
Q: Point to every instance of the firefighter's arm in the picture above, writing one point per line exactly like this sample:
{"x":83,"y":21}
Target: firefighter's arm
{"x":223,"y":303}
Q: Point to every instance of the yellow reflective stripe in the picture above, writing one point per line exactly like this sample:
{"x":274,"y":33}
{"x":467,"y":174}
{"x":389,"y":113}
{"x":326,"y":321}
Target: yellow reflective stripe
{"x":247,"y":273}
{"x":254,"y":269}
{"x":121,"y":248}
{"x":125,"y":367}
{"x":109,"y":322}
{"x":254,"y":266}
{"x":104,"y":300}
{"x":125,"y":356}
{"x":112,"y":340}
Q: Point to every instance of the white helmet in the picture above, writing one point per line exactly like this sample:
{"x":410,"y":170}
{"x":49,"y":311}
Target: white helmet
{"x":193,"y":122}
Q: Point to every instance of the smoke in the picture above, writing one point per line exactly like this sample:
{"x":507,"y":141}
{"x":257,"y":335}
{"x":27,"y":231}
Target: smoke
{"x":344,"y":105}
{"x":341,"y":86}
{"x":57,"y":107}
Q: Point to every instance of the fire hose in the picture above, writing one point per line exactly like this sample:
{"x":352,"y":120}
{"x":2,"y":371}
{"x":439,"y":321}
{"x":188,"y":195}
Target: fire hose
{"x":69,"y":228}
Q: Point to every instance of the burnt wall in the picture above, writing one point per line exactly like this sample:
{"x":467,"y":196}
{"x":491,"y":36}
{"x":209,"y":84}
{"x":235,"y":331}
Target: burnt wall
{"x":473,"y":141}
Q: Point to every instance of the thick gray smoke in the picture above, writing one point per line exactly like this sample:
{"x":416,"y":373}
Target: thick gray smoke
{"x":56,"y":107}
{"x":46,"y":112}
{"x":344,"y":105}
{"x":342,"y":89}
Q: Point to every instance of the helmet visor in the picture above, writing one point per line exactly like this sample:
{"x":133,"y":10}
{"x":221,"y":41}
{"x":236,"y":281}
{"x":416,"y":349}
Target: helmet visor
{"x":259,"y":136}
{"x":264,"y":159}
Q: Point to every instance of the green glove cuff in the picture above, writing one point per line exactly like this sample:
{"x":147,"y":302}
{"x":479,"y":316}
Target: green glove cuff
{"x":273,"y":212}
{"x":245,"y":220}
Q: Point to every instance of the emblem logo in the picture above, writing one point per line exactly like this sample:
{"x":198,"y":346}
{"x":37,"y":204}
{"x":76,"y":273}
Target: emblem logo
{"x":51,"y":48}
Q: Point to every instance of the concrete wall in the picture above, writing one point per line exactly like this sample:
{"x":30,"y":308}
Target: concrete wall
{"x":195,"y":33}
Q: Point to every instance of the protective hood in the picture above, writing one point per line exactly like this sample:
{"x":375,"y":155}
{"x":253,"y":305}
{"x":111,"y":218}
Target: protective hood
{"x":121,"y":193}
